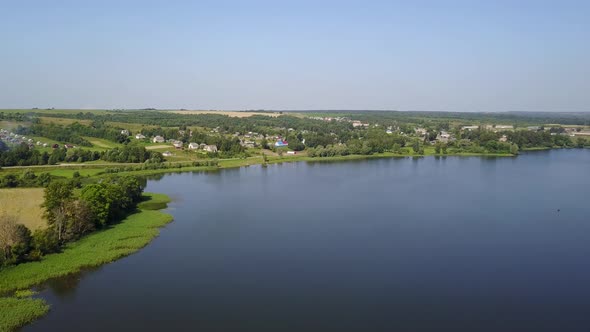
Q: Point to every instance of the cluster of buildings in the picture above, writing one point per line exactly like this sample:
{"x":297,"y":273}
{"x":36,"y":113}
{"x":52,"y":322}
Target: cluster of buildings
{"x":16,"y":139}
{"x":355,"y":123}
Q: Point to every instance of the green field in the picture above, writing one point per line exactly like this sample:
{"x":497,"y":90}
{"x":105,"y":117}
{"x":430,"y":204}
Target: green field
{"x":101,"y":144}
{"x":125,"y":238}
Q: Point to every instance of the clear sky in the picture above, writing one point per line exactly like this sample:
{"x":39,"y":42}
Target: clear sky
{"x":474,"y":55}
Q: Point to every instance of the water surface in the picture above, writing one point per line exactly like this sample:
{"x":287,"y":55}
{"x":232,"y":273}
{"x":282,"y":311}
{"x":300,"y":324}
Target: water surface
{"x":430,"y":244}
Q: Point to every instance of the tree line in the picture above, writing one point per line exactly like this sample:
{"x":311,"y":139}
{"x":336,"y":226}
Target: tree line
{"x":23,"y":155}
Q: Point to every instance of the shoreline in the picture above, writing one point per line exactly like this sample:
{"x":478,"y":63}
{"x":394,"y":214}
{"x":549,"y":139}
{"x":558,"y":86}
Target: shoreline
{"x":96,"y":249}
{"x":244,"y":162}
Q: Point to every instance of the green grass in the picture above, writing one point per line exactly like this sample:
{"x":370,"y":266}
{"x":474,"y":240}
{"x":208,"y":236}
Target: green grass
{"x":17,"y":312}
{"x":69,"y":172}
{"x":102,"y":247}
{"x":99,"y":144}
{"x":154,"y":202}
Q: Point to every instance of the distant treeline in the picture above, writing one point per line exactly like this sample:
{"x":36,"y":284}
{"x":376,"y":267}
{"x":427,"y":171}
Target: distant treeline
{"x":22,"y":155}
{"x":17,"y":117}
{"x":73,"y":133}
{"x":476,"y":141}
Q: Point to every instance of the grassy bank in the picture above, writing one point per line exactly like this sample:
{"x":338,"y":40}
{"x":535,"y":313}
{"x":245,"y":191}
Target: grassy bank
{"x":122,"y":239}
{"x":125,"y":238}
{"x":17,"y":312}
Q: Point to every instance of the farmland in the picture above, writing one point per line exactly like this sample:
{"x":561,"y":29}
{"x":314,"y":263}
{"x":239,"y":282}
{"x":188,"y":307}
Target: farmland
{"x":25,"y":204}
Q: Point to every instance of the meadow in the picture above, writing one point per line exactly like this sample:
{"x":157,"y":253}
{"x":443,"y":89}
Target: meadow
{"x":25,"y":205}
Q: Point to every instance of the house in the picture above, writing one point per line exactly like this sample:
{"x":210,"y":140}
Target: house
{"x":45,"y":145}
{"x":177,"y":144}
{"x":500,"y":127}
{"x":247,"y":144}
{"x":158,"y":139}
{"x":281,"y":143}
{"x":167,"y":154}
{"x":193,"y":146}
{"x":443,"y":136}
{"x":469,"y":128}
{"x":139,"y":136}
{"x":68,"y":146}
{"x":55,"y":146}
{"x":291,"y":152}
{"x":421,"y":131}
{"x":125,"y":132}
{"x":210,"y":148}
{"x":503,"y":138}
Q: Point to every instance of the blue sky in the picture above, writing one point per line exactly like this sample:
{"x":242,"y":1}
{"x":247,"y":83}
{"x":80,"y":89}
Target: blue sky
{"x":412,"y":55}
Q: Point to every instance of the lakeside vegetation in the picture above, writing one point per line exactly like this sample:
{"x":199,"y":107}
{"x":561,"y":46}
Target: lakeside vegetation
{"x":131,"y":234}
{"x":116,"y":241}
{"x":16,"y":312}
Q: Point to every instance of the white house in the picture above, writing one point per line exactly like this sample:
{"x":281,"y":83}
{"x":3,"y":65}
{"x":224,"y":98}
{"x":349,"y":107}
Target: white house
{"x":177,"y":144}
{"x":193,"y":146}
{"x":139,"y":136}
{"x":210,"y":148}
{"x":125,"y":132}
{"x":167,"y":154}
{"x":158,"y":139}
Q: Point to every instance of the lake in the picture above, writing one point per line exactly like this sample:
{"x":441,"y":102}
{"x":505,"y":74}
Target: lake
{"x":428,"y":244}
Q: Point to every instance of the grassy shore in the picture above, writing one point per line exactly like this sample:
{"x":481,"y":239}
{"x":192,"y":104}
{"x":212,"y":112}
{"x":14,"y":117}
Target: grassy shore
{"x":122,"y":239}
{"x":17,"y":312}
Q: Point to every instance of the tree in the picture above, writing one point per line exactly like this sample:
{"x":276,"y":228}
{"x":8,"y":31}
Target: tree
{"x":15,"y":239}
{"x":78,"y":220}
{"x":514,"y":149}
{"x":57,"y":196}
{"x":416,"y":146}
{"x":437,"y":148}
{"x":100,"y":204}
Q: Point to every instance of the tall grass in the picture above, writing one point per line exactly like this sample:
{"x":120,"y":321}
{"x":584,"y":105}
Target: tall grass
{"x":25,"y":204}
{"x":15,"y":312}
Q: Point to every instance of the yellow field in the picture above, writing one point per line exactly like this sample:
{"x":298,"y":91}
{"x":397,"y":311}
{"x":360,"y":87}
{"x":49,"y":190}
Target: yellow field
{"x":157,"y":147}
{"x":63,"y":121}
{"x":228,"y":113}
{"x":25,"y":205}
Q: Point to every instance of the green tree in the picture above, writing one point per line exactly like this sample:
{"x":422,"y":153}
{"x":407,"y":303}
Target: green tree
{"x":58,"y":195}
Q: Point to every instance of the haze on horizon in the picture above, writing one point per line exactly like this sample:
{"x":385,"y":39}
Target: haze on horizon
{"x":431,"y":55}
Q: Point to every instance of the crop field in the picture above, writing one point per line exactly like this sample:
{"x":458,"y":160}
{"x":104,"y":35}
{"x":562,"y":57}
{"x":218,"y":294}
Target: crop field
{"x":25,"y":205}
{"x":234,"y":114}
{"x":63,"y":121}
